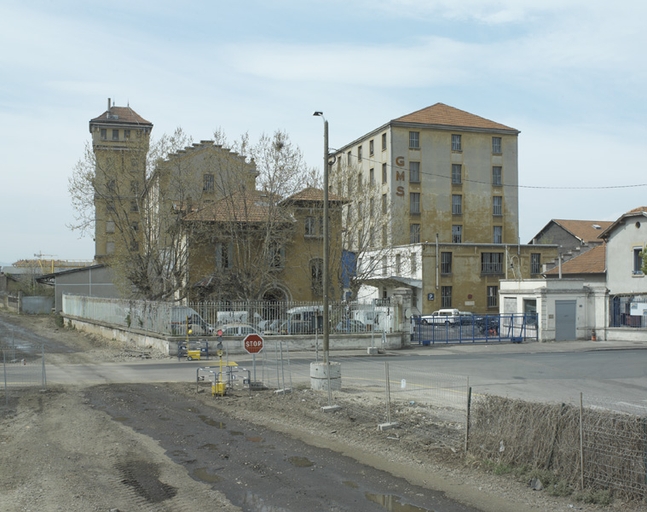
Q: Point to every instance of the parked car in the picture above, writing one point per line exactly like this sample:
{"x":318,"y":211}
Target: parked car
{"x":238,"y":330}
{"x":350,"y":325}
{"x":442,"y":317}
{"x":297,"y":327}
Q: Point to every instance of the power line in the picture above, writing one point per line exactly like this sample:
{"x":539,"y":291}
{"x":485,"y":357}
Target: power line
{"x":541,"y":187}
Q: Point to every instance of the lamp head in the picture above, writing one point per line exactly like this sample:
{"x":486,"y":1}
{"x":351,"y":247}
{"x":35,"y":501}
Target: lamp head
{"x":318,"y":113}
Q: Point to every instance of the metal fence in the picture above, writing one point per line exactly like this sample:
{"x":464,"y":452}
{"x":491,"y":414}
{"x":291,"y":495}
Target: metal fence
{"x":628,"y":311}
{"x":205,"y":318}
{"x":476,"y":328}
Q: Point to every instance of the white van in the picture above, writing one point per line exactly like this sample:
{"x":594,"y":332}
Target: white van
{"x":442,"y":317}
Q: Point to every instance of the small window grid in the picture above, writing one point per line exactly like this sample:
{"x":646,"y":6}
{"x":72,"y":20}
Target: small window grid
{"x":414,"y":140}
{"x":497,"y":234}
{"x":457,"y":174}
{"x":492,"y":263}
{"x":497,"y":206}
{"x":414,"y":203}
{"x":414,"y":233}
{"x":496,"y":145}
{"x":446,"y":296}
{"x":457,"y":204}
{"x":497,"y":180}
{"x":414,"y":172}
{"x":115,"y":134}
{"x":492,"y":296}
{"x":445,"y":262}
{"x":457,"y":234}
{"x":457,"y":143}
{"x":384,"y":142}
{"x":371,"y":147}
{"x":359,"y":153}
{"x":384,"y":173}
{"x":535,"y":263}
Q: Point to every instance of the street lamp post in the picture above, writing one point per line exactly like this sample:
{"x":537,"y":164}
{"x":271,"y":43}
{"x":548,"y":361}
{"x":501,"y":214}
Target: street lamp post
{"x":326,"y":241}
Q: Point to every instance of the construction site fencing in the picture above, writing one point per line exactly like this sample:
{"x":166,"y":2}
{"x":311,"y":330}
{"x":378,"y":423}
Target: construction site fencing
{"x":21,"y":368}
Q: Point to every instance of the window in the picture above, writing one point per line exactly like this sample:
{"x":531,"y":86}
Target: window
{"x":492,"y":296}
{"x":384,"y":266}
{"x":446,"y":296}
{"x":110,"y":248}
{"x":385,"y":236}
{"x":115,"y":134}
{"x":492,"y":263}
{"x":371,"y":207}
{"x":383,"y":173}
{"x":496,"y":176}
{"x":414,"y":172}
{"x":371,"y":236}
{"x":276,"y":256}
{"x":208,"y":182}
{"x":224,"y":255}
{"x":414,"y":263}
{"x":316,"y":273}
{"x":371,"y":147}
{"x":134,"y":246}
{"x":456,"y":143}
{"x":457,"y":171}
{"x":112,"y":186}
{"x":134,"y":226}
{"x":445,"y":262}
{"x":414,"y":234}
{"x":638,"y":262}
{"x":371,"y":174}
{"x":414,"y":203}
{"x":360,"y":181}
{"x":496,"y":145}
{"x":350,"y":187}
{"x":457,"y":204}
{"x":310,"y":226}
{"x":134,"y":187}
{"x":104,"y":134}
{"x":497,"y":234}
{"x":497,"y":206}
{"x":127,"y":134}
{"x":110,"y":226}
{"x":384,"y":141}
{"x":134,"y":207}
{"x":398,"y":264}
{"x":359,"y":153}
{"x":110,"y":206}
{"x":535,"y":263}
{"x":349,"y":158}
{"x":414,"y":140}
{"x":457,"y":234}
{"x":384,"y":204}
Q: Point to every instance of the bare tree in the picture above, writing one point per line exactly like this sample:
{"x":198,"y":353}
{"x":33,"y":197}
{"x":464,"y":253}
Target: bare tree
{"x":368,"y":225}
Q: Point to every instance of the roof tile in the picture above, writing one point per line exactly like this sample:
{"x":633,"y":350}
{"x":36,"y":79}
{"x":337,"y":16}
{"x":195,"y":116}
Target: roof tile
{"x":444,"y":115}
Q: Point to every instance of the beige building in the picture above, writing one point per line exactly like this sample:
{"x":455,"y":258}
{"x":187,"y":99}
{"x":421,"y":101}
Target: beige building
{"x":120,"y":139}
{"x":446,"y":181}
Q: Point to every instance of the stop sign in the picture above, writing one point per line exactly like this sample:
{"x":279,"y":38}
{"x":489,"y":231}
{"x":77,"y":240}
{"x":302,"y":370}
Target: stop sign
{"x":253,"y":343}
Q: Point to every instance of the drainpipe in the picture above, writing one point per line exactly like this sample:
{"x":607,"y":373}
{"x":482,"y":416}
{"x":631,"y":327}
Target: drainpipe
{"x":437,"y":264}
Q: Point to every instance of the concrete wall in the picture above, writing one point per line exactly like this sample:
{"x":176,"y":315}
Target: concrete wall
{"x":628,"y":235}
{"x":142,"y":340}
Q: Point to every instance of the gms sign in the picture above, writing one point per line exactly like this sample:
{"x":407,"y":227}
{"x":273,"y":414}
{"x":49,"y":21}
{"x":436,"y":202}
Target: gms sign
{"x":399,"y":175}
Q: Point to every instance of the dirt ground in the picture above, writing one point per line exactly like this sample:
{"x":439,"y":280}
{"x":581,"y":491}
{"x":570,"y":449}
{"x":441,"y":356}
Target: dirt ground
{"x":60,"y":453}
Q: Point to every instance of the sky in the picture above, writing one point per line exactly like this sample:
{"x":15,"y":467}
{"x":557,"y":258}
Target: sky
{"x":569,"y":74}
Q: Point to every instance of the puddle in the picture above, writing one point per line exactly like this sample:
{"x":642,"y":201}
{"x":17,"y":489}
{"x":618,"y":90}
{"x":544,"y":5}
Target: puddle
{"x":392,"y":503}
{"x":352,"y":485}
{"x":209,"y":446}
{"x":211,"y":422}
{"x":204,"y":475}
{"x":301,"y":462}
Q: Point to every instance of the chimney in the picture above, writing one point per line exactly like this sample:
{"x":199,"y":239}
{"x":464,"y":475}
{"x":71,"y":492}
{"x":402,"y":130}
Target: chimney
{"x":108,"y":105}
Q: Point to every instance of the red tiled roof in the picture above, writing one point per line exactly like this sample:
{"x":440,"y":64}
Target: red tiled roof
{"x":592,"y":261}
{"x":444,"y":115}
{"x":585,"y":230}
{"x":121,"y":115}
{"x":251,"y":206}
